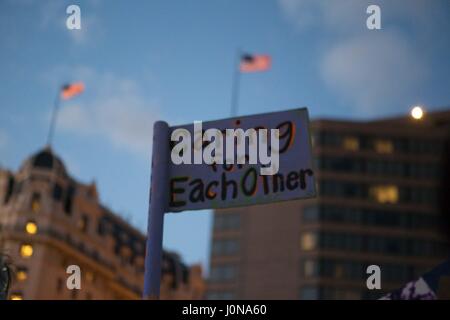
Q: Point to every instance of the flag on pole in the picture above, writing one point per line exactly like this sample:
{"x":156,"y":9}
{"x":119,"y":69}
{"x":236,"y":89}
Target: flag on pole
{"x":254,"y":63}
{"x":70,"y":90}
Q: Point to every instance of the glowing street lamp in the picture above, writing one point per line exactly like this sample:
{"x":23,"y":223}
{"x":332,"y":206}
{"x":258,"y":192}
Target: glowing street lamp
{"x":417,"y":113}
{"x":31,"y":228}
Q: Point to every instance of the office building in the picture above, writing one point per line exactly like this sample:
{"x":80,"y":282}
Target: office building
{"x":378,"y":185}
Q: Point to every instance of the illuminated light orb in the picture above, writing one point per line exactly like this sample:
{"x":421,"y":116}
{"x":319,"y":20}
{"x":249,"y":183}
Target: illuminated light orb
{"x":417,"y":113}
{"x":31,"y":228}
{"x":26,"y":250}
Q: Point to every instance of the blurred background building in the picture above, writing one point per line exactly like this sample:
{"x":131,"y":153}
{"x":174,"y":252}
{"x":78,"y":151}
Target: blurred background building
{"x":378,"y":185}
{"x":49,"y":221}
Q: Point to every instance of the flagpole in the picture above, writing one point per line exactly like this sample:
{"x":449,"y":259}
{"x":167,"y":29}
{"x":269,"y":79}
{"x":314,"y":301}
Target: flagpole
{"x":235,"y":85}
{"x":53,"y":119}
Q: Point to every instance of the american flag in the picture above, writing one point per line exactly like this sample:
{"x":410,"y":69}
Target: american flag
{"x":255,"y":63}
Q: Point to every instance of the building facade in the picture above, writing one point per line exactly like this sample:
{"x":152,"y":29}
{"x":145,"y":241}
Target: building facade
{"x":49,"y":221}
{"x":378,"y":185}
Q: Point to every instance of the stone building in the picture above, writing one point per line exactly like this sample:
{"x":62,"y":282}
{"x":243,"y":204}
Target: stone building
{"x":49,"y":221}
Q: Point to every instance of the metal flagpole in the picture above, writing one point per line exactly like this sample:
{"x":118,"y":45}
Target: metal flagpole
{"x":235,"y":85}
{"x":53,"y":119}
{"x":159,"y":199}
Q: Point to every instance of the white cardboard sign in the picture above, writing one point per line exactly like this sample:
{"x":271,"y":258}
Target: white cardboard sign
{"x":204,"y":186}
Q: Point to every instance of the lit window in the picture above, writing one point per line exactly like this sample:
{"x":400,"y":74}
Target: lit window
{"x":31,"y":228}
{"x":350,"y":143}
{"x":26,"y":250}
{"x":83,"y":223}
{"x":16,"y":296}
{"x":308,"y":241}
{"x":384,"y":194}
{"x":313,"y":140}
{"x":35,"y":202}
{"x":21,"y":275}
{"x":384,"y":146}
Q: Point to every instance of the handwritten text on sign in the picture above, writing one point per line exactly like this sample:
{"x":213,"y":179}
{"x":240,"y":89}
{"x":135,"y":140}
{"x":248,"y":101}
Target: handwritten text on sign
{"x":202,"y":186}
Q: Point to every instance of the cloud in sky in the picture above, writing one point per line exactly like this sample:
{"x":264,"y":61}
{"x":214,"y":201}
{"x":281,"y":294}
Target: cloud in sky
{"x":350,"y":15}
{"x":114,"y":109}
{"x":371,"y":70}
{"x":375,"y":71}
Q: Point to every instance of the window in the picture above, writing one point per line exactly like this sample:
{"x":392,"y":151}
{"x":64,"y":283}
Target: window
{"x":308,"y":241}
{"x":354,"y":270}
{"x":313,"y":140}
{"x":422,"y":195}
{"x":125,"y":254}
{"x":83,"y":223}
{"x":350,"y":143}
{"x":31,"y":227}
{"x":35,"y":202}
{"x":342,"y":189}
{"x":227,"y":221}
{"x":328,"y":139}
{"x":309,"y":293}
{"x":68,"y":202}
{"x":397,"y":272}
{"x":310,"y":268}
{"x":384,"y":146}
{"x":381,"y":245}
{"x":341,"y":164}
{"x":372,"y":217}
{"x":384,"y":193}
{"x":223,"y":273}
{"x":9,"y":190}
{"x":26,"y":250}
{"x":225,"y":247}
{"x":311,"y":214}
{"x":57,"y":192}
{"x":104,"y":227}
{"x":350,"y":190}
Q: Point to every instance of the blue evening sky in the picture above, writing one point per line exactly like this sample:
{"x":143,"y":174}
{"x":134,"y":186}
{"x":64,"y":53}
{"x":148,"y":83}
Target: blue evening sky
{"x":143,"y":61}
